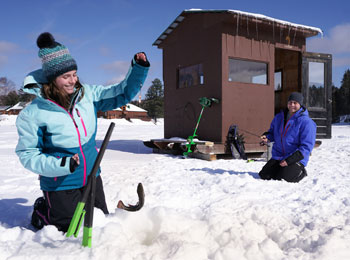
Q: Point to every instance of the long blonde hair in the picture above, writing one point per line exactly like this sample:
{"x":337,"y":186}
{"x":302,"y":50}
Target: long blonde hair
{"x":52,"y":92}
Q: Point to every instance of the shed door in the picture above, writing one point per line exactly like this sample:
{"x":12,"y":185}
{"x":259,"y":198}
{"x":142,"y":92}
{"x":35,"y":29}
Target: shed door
{"x":317,"y":90}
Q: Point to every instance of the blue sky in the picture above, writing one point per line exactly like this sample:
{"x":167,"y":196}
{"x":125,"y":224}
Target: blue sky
{"x":104,"y":35}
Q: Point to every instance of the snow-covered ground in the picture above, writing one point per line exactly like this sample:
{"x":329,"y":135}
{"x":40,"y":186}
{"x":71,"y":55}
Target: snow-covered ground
{"x":194,"y":209}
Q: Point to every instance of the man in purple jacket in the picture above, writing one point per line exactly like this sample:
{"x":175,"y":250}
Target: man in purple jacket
{"x":294,"y":134}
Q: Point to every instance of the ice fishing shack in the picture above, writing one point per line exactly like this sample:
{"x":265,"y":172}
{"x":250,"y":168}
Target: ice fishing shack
{"x":250,"y":62}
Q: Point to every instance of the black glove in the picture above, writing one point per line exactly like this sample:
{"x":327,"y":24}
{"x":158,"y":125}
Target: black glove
{"x":72,"y":165}
{"x":295,"y":157}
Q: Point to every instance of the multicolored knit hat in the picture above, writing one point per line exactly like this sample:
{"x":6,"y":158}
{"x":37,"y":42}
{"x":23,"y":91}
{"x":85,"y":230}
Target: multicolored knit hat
{"x":55,"y":57}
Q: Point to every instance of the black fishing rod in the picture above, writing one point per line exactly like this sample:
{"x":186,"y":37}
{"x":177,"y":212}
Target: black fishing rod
{"x":259,"y":136}
{"x":90,"y":189}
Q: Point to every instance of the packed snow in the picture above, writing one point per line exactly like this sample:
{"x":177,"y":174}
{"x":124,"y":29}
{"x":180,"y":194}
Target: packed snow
{"x":194,"y":209}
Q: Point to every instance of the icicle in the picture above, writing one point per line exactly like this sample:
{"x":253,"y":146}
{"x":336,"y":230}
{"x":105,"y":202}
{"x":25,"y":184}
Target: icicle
{"x":289,"y":31}
{"x":247,"y":26}
{"x":256,"y":28}
{"x":273,"y":30}
{"x":295,"y":33}
{"x":237,"y":23}
{"x":251,"y":45}
{"x":288,"y":36}
{"x":234,"y":40}
{"x":280,"y":34}
{"x":237,"y":44}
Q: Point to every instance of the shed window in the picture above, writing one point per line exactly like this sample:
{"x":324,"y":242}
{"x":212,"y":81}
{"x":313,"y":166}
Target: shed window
{"x":278,"y":80}
{"x":317,"y":91}
{"x":247,"y":71}
{"x":190,"y":76}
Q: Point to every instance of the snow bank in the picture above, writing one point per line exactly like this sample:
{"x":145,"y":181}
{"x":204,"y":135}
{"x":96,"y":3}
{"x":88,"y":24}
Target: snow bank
{"x":194,"y":209}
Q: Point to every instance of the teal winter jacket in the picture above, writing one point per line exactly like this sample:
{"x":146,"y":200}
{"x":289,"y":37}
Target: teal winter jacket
{"x":49,"y":134}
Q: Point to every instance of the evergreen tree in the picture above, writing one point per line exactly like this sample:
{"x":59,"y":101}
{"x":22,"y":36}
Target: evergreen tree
{"x":334,"y":104}
{"x":11,"y":99}
{"x":345,"y":94}
{"x":154,"y":101}
{"x":341,"y":98}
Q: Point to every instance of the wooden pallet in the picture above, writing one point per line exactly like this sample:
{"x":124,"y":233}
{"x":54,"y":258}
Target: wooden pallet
{"x":204,"y":150}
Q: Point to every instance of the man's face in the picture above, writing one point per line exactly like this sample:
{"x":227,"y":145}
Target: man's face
{"x":293,"y":106}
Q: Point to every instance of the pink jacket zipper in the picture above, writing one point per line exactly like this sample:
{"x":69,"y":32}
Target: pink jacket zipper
{"x":79,"y":139}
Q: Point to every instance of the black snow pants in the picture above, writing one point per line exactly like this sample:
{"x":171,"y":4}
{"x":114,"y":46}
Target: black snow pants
{"x":60,"y":205}
{"x":291,"y":173}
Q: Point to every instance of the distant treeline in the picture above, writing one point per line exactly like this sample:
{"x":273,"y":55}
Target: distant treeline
{"x":154,"y":98}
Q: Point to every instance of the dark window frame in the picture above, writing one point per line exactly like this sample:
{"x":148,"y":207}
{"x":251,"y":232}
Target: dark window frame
{"x":185,"y":76}
{"x":266,"y":63}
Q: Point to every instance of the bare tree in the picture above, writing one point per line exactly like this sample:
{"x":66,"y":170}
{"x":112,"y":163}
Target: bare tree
{"x":6,"y":86}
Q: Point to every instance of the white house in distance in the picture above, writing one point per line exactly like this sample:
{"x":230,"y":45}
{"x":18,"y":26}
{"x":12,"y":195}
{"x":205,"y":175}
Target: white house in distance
{"x":3,"y":109}
{"x":129,"y":111}
{"x":14,"y":110}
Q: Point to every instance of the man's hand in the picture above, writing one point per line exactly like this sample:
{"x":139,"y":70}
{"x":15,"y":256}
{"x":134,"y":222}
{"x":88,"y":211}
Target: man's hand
{"x":283,"y":163}
{"x":264,"y":140}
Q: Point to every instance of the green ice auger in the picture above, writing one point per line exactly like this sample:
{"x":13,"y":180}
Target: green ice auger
{"x":205,"y":102}
{"x":85,"y":211}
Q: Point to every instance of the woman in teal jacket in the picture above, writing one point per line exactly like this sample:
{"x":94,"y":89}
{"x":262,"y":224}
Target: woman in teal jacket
{"x":57,"y":130}
{"x":293,"y":133}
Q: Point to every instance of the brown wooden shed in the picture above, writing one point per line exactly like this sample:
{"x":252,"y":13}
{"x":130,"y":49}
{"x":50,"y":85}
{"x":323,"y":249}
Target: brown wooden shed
{"x":250,"y":62}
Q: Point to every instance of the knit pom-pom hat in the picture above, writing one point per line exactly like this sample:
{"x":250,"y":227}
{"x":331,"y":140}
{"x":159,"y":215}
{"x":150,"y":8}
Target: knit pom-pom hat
{"x":55,"y":57}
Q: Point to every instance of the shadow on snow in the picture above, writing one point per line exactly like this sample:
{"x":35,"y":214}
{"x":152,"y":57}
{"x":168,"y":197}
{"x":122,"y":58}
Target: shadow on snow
{"x":14,"y":214}
{"x":211,"y":171}
{"x":128,"y":146}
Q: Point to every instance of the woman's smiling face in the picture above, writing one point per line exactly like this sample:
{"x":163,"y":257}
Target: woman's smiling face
{"x":67,"y":81}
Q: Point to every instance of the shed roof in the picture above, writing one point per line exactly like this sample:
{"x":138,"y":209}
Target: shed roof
{"x":310,"y":31}
{"x":131,"y":108}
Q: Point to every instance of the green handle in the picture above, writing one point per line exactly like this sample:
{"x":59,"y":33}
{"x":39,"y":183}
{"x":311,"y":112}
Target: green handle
{"x":87,"y":236}
{"x":76,"y":220}
{"x":79,"y":225}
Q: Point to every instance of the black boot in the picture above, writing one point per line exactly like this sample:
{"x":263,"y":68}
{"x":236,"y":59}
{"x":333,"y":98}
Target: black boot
{"x":39,"y":218}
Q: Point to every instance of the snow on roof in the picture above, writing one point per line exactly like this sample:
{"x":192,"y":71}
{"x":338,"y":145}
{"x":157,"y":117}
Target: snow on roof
{"x":180,"y":18}
{"x":132,"y":108}
{"x":18,"y":106}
